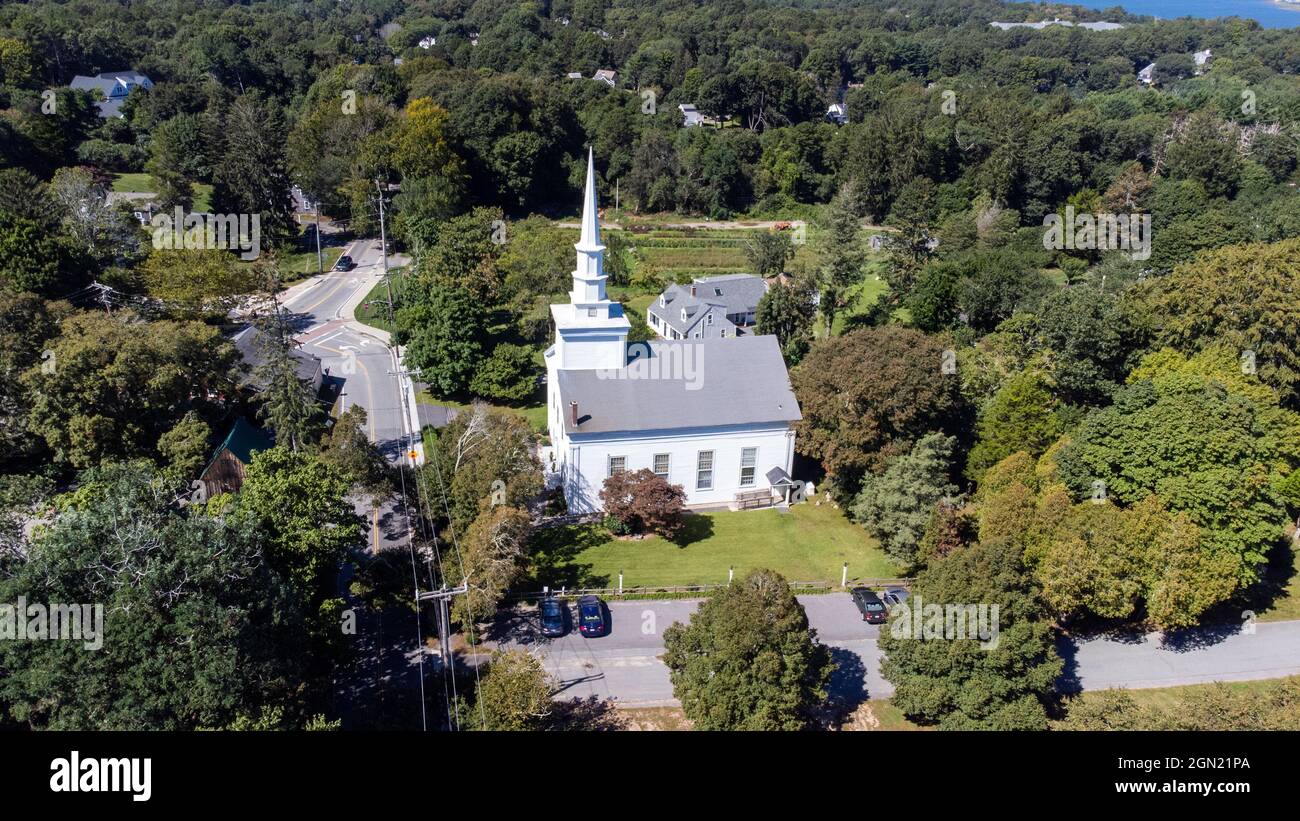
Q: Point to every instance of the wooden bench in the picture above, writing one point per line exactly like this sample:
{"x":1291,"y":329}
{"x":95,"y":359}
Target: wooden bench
{"x":747,"y":499}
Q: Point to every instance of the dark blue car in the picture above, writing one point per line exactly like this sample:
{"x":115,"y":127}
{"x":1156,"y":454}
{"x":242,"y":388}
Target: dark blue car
{"x":554,"y":616}
{"x":592,"y":620}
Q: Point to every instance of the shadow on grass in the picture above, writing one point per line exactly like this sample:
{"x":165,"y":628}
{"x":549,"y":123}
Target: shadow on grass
{"x":553,"y":557}
{"x":695,"y":528}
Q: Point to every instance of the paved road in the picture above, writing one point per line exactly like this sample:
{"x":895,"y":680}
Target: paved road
{"x":359,"y":362}
{"x":625,"y":666}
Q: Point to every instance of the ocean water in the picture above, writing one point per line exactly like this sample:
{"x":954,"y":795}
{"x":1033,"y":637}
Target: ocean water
{"x":1270,"y":13}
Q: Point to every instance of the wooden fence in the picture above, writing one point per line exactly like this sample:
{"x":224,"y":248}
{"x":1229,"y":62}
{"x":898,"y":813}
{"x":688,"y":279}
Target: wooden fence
{"x":696,"y":590}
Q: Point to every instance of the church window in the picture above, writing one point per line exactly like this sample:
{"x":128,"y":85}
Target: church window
{"x":704,"y":470}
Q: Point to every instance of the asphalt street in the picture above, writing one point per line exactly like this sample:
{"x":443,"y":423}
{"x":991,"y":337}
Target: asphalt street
{"x":625,"y":665}
{"x":358,"y":362}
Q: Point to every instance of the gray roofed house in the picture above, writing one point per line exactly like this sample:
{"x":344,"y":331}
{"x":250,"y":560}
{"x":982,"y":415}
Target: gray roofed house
{"x":114,"y":86}
{"x":708,"y":308}
{"x":248,"y":343}
{"x":706,"y":384}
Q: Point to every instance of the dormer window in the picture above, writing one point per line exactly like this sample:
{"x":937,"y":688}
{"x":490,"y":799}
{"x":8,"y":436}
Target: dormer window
{"x":683,"y":314}
{"x":663,"y":300}
{"x":708,"y":318}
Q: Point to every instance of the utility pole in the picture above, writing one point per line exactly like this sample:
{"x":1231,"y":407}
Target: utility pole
{"x":383,"y":251}
{"x":320,"y":260}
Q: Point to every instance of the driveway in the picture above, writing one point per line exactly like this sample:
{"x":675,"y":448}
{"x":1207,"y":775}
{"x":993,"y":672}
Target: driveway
{"x":625,"y":666}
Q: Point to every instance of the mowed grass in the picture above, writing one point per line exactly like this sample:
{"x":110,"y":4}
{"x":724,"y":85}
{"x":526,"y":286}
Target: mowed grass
{"x":808,"y":544}
{"x":142,"y":182}
{"x":1167,"y":699}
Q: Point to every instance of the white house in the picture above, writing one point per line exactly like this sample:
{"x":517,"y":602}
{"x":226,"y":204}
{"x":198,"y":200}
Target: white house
{"x":690,"y":115}
{"x":1147,"y":76}
{"x":608,"y":76}
{"x":713,"y":415}
{"x":837,"y":113}
{"x":708,"y":308}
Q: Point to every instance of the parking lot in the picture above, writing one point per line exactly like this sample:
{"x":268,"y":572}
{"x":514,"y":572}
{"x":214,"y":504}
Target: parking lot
{"x":625,"y":665}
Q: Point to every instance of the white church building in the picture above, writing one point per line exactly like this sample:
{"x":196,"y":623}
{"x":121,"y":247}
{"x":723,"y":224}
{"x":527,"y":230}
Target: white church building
{"x":712,"y":415}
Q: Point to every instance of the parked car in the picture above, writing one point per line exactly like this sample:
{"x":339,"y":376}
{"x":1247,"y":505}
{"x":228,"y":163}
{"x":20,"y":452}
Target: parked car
{"x":592,"y":618}
{"x":554,"y":616}
{"x":894,"y":596}
{"x":344,"y":263}
{"x":869,"y":605}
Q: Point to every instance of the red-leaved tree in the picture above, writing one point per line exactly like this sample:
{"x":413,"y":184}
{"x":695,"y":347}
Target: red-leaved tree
{"x":643,"y":501}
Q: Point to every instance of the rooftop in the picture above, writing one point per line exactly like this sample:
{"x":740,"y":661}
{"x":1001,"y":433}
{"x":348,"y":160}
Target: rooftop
{"x":700,"y":384}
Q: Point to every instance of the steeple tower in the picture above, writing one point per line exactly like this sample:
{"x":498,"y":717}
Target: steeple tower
{"x":590,"y":331}
{"x":589,"y":275}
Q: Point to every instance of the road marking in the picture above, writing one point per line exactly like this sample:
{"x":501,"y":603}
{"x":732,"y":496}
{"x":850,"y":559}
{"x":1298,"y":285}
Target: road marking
{"x":335,"y":289}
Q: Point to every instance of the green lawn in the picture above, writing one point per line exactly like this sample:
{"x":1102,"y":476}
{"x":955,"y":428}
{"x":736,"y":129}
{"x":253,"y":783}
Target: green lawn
{"x":145,"y":182}
{"x":1167,"y":699}
{"x":533,"y":412}
{"x":373,"y":310}
{"x":808,"y":544}
{"x":302,"y":264}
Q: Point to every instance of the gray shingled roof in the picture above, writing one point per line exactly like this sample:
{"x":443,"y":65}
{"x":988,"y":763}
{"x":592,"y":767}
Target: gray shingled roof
{"x":740,"y":380}
{"x":733,"y":293}
{"x":114,"y":85}
{"x":248,"y":343}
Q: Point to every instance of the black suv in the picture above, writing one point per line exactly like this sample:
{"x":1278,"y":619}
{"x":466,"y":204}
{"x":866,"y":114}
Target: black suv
{"x":344,"y":263}
{"x":869,"y":605}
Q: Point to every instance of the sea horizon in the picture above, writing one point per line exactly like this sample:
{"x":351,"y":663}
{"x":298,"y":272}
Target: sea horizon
{"x":1268,"y":13}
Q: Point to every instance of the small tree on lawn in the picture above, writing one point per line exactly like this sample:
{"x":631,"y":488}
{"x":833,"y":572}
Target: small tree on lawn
{"x":748,"y":660}
{"x":644,"y":501}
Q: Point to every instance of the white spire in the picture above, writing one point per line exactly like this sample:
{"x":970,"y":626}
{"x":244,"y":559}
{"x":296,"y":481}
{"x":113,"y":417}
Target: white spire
{"x":589,"y":275}
{"x":590,"y":239}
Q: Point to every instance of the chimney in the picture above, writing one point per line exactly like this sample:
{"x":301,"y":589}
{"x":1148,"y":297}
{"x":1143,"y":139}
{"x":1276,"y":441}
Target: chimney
{"x":573,"y":414}
{"x":692,"y":289}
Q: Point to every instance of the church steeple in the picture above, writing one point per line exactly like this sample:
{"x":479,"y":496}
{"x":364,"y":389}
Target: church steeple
{"x":589,"y":275}
{"x":590,"y":331}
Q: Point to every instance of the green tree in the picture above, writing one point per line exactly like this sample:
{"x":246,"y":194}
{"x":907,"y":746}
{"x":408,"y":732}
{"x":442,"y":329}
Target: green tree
{"x":1021,"y":416}
{"x":186,"y":447}
{"x":514,"y":694}
{"x":768,"y":252}
{"x":197,"y":627}
{"x":897,"y":505}
{"x":252,"y":176}
{"x":1242,"y":296}
{"x":348,"y":450}
{"x":112,"y":385}
{"x":299,"y":504}
{"x":492,"y":557}
{"x":1203,"y":449}
{"x":444,"y":334}
{"x":787,"y":312}
{"x":1003,"y":683}
{"x":747,"y":660}
{"x":853,"y":424}
{"x":476,"y":449}
{"x":288,"y":403}
{"x":509,"y":374}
